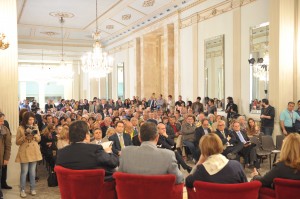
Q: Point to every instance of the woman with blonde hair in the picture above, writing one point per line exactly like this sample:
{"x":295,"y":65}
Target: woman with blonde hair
{"x":213,"y":166}
{"x":109,"y":132}
{"x":63,"y":138}
{"x":288,"y":165}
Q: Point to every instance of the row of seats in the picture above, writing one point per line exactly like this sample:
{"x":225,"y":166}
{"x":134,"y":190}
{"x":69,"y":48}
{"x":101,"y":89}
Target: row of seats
{"x":90,"y":184}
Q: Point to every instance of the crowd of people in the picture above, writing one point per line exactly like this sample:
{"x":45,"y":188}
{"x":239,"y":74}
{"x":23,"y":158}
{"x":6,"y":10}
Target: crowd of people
{"x":138,"y":130}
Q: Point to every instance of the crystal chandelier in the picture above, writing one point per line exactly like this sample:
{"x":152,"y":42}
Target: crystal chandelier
{"x":261,"y":68}
{"x":97,"y":63}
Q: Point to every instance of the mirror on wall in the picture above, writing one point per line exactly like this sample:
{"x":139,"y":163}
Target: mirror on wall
{"x":120,"y":79}
{"x":214,"y":69}
{"x":259,"y":66}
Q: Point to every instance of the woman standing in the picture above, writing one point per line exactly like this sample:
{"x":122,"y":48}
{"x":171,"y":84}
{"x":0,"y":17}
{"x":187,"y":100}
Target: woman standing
{"x":29,"y":152}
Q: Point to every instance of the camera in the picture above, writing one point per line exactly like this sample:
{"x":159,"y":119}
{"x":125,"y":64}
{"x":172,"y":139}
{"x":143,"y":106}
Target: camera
{"x":31,"y":130}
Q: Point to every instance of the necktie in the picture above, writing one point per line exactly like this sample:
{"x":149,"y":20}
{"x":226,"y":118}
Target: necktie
{"x":223,"y":134}
{"x":241,"y":137}
{"x":121,"y":141}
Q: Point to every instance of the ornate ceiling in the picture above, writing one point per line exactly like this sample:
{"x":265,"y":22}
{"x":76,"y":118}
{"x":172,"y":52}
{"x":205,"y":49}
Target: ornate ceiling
{"x":39,"y":29}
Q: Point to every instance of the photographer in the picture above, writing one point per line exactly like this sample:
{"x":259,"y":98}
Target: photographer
{"x":29,"y":152}
{"x":231,"y":110}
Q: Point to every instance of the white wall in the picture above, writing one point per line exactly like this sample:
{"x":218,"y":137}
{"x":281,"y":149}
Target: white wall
{"x":219,"y":25}
{"x":186,"y":63}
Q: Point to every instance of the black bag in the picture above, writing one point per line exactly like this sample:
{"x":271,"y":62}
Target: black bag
{"x":52,"y":180}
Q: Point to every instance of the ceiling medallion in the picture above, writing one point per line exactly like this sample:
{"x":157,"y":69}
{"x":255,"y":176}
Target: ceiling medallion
{"x":148,"y":3}
{"x":126,"y":17}
{"x":109,"y":27}
{"x":49,"y":33}
{"x":62,"y":14}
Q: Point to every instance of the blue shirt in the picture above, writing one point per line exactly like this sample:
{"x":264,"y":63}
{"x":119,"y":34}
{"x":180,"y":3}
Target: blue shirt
{"x":289,"y":117}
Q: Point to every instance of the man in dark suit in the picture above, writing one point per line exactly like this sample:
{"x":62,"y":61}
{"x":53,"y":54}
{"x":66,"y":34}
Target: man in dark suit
{"x":166,"y":142}
{"x":82,"y":155}
{"x":200,"y":131}
{"x":248,"y":151}
{"x":120,"y":139}
{"x":230,"y":143}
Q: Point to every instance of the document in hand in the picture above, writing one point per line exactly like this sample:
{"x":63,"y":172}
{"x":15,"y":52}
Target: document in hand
{"x":106,"y":144}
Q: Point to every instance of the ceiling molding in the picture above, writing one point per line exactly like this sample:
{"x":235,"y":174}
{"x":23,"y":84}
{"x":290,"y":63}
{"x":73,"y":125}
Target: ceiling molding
{"x":213,"y":11}
{"x":99,"y":17}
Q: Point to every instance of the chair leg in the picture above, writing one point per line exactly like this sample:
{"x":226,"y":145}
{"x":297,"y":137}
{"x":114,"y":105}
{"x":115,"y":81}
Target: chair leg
{"x":275,"y":156}
{"x":270,"y":161}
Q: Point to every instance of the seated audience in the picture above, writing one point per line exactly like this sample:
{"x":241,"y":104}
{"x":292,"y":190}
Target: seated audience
{"x":82,"y":155}
{"x":166,"y":142}
{"x":120,"y":139}
{"x":252,"y":129}
{"x":147,"y":159}
{"x":109,"y":132}
{"x":213,"y":166}
{"x":248,"y":151}
{"x":288,"y":165}
{"x":98,"y":136}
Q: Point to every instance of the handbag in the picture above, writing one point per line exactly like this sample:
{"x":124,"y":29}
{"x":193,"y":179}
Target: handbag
{"x":52,"y":180}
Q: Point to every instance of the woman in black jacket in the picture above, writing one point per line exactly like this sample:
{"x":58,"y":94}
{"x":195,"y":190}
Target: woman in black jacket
{"x":288,"y":165}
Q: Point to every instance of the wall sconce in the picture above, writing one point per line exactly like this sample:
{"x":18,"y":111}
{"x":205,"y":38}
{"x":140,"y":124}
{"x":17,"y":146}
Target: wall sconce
{"x":3,"y":44}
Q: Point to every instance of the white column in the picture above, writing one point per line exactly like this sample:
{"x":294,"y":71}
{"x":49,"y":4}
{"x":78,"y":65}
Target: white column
{"x":282,"y":55}
{"x":9,"y":80}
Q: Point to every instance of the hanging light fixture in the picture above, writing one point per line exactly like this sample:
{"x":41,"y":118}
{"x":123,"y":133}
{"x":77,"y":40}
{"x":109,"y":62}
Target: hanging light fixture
{"x":64,"y":71}
{"x":97,"y":63}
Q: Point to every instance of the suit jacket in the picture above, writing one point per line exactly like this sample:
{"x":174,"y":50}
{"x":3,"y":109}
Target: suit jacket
{"x":166,"y":143}
{"x":224,"y":139}
{"x":237,"y":137}
{"x":116,"y":147}
{"x":199,"y":132}
{"x":81,"y":156}
{"x":147,"y":159}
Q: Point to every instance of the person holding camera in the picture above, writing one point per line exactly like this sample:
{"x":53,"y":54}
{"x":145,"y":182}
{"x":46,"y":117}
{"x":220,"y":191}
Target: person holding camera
{"x":28,"y":137}
{"x":231,"y":110}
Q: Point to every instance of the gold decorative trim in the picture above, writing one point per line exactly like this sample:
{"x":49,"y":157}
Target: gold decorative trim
{"x":213,"y":11}
{"x":49,"y":33}
{"x":126,"y":17}
{"x":121,"y":47}
{"x":62,"y":14}
{"x":148,"y":3}
{"x":109,"y":27}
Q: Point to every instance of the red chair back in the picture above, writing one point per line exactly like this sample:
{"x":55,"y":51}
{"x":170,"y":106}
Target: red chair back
{"x":249,"y":190}
{"x":133,"y":186}
{"x":79,"y":184}
{"x":286,"y":188}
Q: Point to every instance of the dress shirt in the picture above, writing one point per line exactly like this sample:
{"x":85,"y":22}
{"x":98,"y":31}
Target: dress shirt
{"x":241,"y":137}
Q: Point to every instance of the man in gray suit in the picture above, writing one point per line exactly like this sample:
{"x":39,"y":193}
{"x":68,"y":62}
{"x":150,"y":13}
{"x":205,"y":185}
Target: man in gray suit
{"x":147,"y":159}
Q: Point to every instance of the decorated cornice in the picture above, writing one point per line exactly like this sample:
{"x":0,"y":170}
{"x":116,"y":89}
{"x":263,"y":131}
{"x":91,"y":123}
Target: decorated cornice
{"x":213,"y":11}
{"x":122,"y":47}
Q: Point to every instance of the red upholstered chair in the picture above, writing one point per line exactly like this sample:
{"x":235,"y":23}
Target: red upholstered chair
{"x":87,"y":184}
{"x":286,"y":188}
{"x":133,"y":186}
{"x":266,"y":193}
{"x":209,"y":190}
